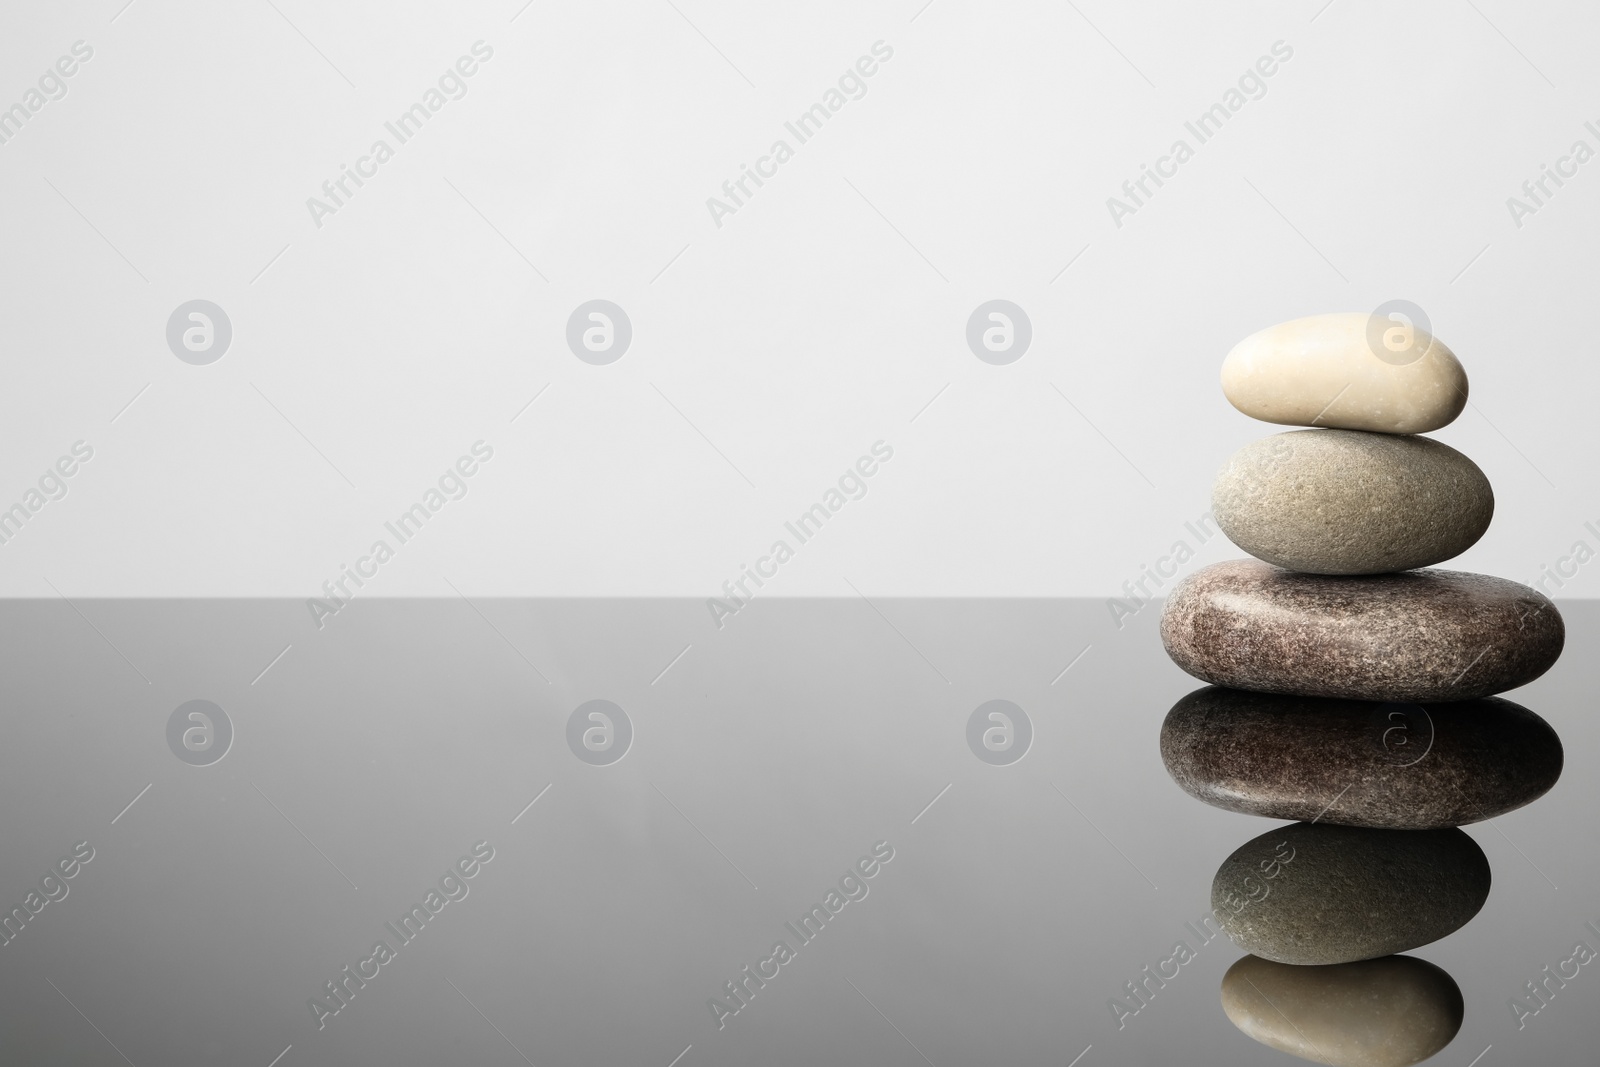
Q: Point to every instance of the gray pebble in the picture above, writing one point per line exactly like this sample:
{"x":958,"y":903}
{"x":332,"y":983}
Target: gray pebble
{"x":1348,"y":502}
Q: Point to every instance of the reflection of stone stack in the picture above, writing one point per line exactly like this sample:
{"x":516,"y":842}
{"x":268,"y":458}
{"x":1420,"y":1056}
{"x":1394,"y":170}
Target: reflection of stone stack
{"x":1359,"y":691}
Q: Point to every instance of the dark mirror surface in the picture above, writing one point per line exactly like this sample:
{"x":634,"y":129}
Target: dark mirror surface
{"x":607,"y":832}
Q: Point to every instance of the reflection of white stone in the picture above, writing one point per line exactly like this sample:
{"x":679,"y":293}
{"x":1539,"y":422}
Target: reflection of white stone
{"x":1376,"y":1013}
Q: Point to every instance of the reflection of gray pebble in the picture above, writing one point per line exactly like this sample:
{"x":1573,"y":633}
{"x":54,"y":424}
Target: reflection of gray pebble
{"x":1347,"y":502}
{"x":1388,"y":1012}
{"x":199,"y":732}
{"x":1348,"y":892}
{"x":599,"y":732}
{"x":199,"y":332}
{"x":1356,"y":763}
{"x":999,"y":732}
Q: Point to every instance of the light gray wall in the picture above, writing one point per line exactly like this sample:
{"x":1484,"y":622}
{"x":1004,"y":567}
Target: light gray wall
{"x":770,"y":352}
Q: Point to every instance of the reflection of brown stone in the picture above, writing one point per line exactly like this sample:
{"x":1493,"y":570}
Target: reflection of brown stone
{"x":1346,"y":502}
{"x":1377,"y":1013}
{"x":1315,"y":893}
{"x":1359,"y":763}
{"x":1426,"y":636}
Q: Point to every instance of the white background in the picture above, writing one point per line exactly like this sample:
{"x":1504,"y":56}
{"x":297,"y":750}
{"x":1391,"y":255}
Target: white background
{"x":769,"y":353}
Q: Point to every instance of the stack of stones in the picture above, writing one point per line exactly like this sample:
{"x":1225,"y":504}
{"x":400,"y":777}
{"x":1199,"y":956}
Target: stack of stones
{"x":1352,"y":691}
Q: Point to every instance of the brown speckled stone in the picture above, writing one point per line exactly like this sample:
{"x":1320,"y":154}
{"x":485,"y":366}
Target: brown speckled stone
{"x":1316,"y":893}
{"x":1356,"y":762}
{"x":1426,"y":636}
{"x":1388,"y":1012}
{"x":1347,"y":502}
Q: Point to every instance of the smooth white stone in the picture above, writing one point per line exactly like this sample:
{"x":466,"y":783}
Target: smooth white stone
{"x":1325,"y":370}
